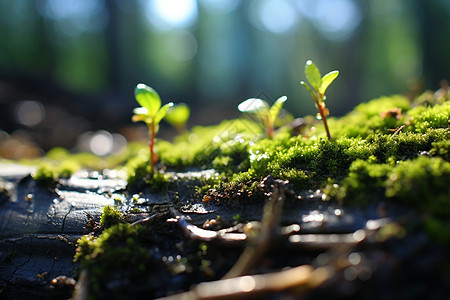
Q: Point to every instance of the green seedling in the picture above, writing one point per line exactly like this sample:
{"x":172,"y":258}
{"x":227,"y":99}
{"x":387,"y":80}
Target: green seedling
{"x":151,"y":113}
{"x":268,"y":114}
{"x":178,"y":115}
{"x":318,"y":87}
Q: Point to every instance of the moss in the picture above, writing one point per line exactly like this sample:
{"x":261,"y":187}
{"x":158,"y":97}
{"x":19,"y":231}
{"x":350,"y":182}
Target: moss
{"x":369,"y":118}
{"x":110,"y":216}
{"x":406,"y":145}
{"x":202,"y":145}
{"x":422,"y":118}
{"x":364,"y":155}
{"x":139,"y":175}
{"x":116,"y":255}
{"x":441,"y":149}
{"x":45,"y":176}
{"x":421,"y":182}
{"x":308,"y":162}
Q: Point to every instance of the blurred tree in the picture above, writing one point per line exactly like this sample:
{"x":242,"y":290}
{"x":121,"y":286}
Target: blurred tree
{"x":89,"y":54}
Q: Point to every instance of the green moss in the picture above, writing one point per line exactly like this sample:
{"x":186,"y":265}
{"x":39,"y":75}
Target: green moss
{"x":421,"y":182}
{"x":139,"y":175}
{"x":110,"y":216}
{"x":117,"y":254}
{"x":308,"y":162}
{"x":367,"y":118}
{"x":422,"y":118}
{"x":405,"y":145}
{"x":202,"y":145}
{"x":45,"y":176}
{"x":441,"y":148}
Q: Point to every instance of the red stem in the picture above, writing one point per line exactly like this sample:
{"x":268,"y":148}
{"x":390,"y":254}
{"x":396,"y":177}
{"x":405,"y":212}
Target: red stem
{"x":152,"y":146}
{"x":322,"y":115}
{"x":270,"y":131}
{"x":324,"y":120}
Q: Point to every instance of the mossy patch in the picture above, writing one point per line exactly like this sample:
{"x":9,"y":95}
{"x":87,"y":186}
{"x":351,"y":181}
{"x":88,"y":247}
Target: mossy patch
{"x":117,"y":256}
{"x":110,"y":216}
{"x":379,"y":133}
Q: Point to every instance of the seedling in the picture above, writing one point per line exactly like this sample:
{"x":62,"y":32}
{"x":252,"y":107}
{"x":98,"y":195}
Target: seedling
{"x":268,"y":114}
{"x":151,"y":113}
{"x":178,"y":115}
{"x":318,"y":87}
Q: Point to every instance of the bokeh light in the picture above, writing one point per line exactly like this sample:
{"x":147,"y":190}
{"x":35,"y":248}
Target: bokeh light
{"x":335,"y":19}
{"x":101,"y":143}
{"x":276,"y":16}
{"x":221,"y":6}
{"x":181,"y":45}
{"x":30,"y":113}
{"x":170,"y":14}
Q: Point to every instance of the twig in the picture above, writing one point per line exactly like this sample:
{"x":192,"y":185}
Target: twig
{"x":397,"y":130}
{"x":198,"y":233}
{"x":258,"y":246}
{"x":304,"y":276}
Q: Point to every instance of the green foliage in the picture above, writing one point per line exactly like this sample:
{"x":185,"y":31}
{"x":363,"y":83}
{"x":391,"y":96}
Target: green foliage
{"x":319,"y":84}
{"x":110,"y":216}
{"x":266,"y":113}
{"x":318,"y":87}
{"x":178,"y":115}
{"x":151,"y":113}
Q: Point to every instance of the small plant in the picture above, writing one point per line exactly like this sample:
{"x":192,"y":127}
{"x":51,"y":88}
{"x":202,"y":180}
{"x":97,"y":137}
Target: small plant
{"x":268,"y":114}
{"x":151,"y":113}
{"x":178,"y":115}
{"x":110,"y":216}
{"x":318,"y":87}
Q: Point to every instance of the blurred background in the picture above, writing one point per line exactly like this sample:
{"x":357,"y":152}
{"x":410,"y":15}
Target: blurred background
{"x":68,"y":68}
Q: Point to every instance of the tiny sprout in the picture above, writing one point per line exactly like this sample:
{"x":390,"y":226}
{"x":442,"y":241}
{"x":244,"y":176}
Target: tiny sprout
{"x":178,"y":115}
{"x":318,"y":87}
{"x":261,"y":108}
{"x":151,"y":113}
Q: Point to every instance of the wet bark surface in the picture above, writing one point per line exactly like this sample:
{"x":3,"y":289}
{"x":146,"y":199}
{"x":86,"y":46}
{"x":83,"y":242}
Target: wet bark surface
{"x":373,"y":252}
{"x":39,"y":228}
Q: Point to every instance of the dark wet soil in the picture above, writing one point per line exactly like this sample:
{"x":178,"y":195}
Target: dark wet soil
{"x":375,"y":252}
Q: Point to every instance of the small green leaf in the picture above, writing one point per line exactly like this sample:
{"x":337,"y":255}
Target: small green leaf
{"x":140,"y":111}
{"x":313,"y":93}
{"x":178,"y":115}
{"x":253,"y":105}
{"x":148,"y":98}
{"x":140,"y":114}
{"x":162,"y":112}
{"x":137,"y":118}
{"x":327,"y":80}
{"x":313,"y":74}
{"x":276,"y":107}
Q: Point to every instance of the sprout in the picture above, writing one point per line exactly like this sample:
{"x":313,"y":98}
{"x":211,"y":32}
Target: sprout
{"x":318,"y":87}
{"x":261,"y":108}
{"x":178,"y":115}
{"x":151,"y":113}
